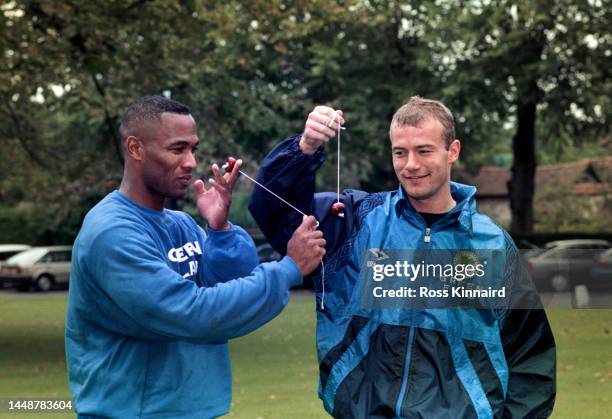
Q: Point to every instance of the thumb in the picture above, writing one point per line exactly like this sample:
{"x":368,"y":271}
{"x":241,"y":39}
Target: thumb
{"x":199,"y":186}
{"x":308,"y":223}
{"x":341,"y":119}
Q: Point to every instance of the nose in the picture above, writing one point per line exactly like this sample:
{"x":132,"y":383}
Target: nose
{"x":189,"y":162}
{"x":412,"y":163}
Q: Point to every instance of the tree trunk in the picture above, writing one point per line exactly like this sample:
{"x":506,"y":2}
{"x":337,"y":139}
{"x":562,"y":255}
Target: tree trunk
{"x":521,"y":185}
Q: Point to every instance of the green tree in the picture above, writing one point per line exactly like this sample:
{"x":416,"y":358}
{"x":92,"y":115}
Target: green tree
{"x":252,"y":71}
{"x":542,"y":67}
{"x":70,"y":68}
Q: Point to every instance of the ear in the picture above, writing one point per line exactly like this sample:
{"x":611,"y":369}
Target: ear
{"x":453,"y":151}
{"x":133,"y":148}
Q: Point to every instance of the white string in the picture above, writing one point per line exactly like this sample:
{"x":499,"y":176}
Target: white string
{"x":262,"y":186}
{"x":329,"y":122}
{"x":322,"y":264}
{"x":323,"y":285}
{"x":338,"y":174}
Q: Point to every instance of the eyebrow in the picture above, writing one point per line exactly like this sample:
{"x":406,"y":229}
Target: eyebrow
{"x":419,"y":147}
{"x":425,"y":146}
{"x":183,"y":143}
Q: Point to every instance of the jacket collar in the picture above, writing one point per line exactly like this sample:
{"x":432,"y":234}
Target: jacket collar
{"x":462,"y":212}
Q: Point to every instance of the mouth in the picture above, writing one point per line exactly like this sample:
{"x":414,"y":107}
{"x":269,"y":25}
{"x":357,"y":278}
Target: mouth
{"x":184,"y":180}
{"x":415,"y":177}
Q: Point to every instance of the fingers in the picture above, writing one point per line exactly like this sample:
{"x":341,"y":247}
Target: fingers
{"x":233,"y":175}
{"x":309,"y":223}
{"x":322,"y":123}
{"x":225,"y":182}
{"x":328,"y":117}
{"x":317,"y":131}
{"x":228,"y":179}
{"x":322,"y":126}
{"x":217,"y":173}
{"x":307,"y":246}
{"x":309,"y":232}
{"x":219,"y":181}
{"x":199,"y":186}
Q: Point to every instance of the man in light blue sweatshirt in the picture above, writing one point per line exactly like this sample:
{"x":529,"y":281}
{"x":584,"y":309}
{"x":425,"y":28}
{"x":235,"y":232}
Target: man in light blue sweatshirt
{"x":153,"y":297}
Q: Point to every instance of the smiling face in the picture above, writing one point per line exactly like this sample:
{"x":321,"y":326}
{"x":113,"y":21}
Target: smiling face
{"x":169,"y":156}
{"x":422,"y":163}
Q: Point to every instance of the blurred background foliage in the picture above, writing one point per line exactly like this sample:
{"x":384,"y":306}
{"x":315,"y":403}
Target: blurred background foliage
{"x":528,"y":82}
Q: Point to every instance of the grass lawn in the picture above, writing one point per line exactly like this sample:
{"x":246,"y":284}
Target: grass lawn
{"x":275,"y":369}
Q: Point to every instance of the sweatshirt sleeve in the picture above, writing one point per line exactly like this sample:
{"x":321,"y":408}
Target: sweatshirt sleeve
{"x":140,"y":296}
{"x":227,"y":254}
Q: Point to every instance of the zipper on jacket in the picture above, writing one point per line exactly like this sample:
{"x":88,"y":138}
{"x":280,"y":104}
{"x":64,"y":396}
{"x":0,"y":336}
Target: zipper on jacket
{"x":407,"y":358}
{"x":409,"y":345}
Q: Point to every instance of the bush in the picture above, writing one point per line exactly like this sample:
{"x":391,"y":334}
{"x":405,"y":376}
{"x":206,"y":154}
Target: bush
{"x":38,"y":225}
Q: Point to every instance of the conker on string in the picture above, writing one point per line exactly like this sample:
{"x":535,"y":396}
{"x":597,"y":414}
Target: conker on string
{"x":229,"y":164}
{"x":338,"y":209}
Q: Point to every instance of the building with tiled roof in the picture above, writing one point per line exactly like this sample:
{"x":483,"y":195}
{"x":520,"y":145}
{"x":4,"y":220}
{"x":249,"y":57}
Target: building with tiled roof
{"x":587,"y":179}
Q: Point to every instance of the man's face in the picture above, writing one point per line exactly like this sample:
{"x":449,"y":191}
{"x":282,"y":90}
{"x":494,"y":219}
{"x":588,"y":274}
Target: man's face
{"x":169,"y":156}
{"x":421,"y":160}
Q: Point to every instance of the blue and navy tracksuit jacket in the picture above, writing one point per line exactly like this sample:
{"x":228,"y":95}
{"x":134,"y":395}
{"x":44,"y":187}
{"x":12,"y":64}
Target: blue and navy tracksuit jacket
{"x":408,"y":363}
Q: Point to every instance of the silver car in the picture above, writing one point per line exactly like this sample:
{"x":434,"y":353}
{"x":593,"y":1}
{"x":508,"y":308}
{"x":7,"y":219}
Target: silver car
{"x":601,"y":274}
{"x":564,"y":264}
{"x":42,"y":267}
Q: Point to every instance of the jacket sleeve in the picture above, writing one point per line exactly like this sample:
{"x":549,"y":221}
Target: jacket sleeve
{"x":291,"y":174}
{"x":529,"y":347}
{"x":140,"y":296}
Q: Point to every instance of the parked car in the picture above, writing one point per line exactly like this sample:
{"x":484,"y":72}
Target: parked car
{"x":580,"y":244}
{"x":42,"y":267}
{"x":565,"y":263}
{"x":601,"y":274}
{"x":8,"y":250}
{"x":527,"y":248}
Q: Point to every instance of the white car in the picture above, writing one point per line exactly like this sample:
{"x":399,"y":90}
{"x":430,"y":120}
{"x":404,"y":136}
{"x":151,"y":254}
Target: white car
{"x":8,"y":250}
{"x":42,"y":267}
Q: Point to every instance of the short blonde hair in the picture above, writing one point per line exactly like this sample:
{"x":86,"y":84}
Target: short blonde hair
{"x":418,"y":109}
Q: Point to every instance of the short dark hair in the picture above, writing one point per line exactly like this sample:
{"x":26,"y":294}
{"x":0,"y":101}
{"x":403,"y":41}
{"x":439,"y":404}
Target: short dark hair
{"x":149,"y":108}
{"x":419,"y":109}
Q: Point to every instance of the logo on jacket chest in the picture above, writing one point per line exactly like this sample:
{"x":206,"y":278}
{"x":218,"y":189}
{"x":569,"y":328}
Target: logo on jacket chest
{"x":181,"y":254}
{"x":186,"y":251}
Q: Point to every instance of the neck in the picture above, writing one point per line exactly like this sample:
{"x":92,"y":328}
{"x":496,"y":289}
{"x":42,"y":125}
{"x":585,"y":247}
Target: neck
{"x":434,"y":205}
{"x":139,"y":193}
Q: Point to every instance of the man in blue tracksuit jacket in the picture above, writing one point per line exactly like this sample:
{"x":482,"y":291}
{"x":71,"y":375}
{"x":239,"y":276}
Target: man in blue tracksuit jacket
{"x":412,"y":362}
{"x":154,"y":298}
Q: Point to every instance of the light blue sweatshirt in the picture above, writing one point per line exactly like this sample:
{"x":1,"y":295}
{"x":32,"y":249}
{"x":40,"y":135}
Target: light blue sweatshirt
{"x":152,"y":303}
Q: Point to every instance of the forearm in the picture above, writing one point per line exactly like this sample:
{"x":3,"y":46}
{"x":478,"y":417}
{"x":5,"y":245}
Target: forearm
{"x":133,"y":291}
{"x":290,"y":173}
{"x":163,"y":306}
